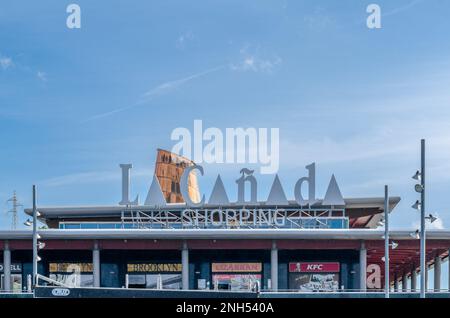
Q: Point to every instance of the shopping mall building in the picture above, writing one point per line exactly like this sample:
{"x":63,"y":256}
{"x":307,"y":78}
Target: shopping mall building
{"x":179,"y":240}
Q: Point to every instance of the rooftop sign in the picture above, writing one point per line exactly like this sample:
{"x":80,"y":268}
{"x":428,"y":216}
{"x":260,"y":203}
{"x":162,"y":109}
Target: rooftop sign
{"x":219,"y":197}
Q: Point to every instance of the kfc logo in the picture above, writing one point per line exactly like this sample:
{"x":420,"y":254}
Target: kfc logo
{"x":314,"y":267}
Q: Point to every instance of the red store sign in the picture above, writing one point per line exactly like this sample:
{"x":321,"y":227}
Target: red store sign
{"x":316,"y":267}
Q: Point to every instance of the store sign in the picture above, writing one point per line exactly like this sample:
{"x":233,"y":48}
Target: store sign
{"x":154,"y":268}
{"x":246,"y":182}
{"x":15,"y":268}
{"x":71,"y":268}
{"x":230,"y":218}
{"x":236,"y":267}
{"x":314,"y":267}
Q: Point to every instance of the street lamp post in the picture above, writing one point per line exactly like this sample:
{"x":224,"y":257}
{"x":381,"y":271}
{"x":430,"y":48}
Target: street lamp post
{"x":386,"y":242}
{"x":423,"y":265}
{"x":420,"y":205}
{"x":35,"y":238}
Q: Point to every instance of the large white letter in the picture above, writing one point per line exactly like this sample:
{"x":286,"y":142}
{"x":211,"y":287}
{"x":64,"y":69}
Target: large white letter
{"x":213,"y":152}
{"x":183,"y":147}
{"x":198,"y":141}
{"x":184,"y":186}
{"x":74,"y":19}
{"x":126,"y":186}
{"x":272,"y":159}
{"x":374,"y":19}
{"x":374,"y":278}
{"x":311,"y":179}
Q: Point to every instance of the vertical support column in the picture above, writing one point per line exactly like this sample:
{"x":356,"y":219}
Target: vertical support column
{"x":274,"y":266}
{"x":96,"y":264}
{"x":395,"y":283}
{"x":185,"y":266}
{"x":448,"y":259}
{"x":414,"y":279}
{"x":363,"y":267}
{"x":437,"y":273}
{"x":426,"y":277}
{"x":404,"y":283}
{"x":7,"y":267}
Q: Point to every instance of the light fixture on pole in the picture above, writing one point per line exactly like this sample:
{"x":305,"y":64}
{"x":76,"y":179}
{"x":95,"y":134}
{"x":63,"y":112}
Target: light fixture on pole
{"x":420,"y":205}
{"x":415,"y":235}
{"x":431,"y":218}
{"x":393,"y":245}
{"x":386,"y":242}
{"x":36,"y":244}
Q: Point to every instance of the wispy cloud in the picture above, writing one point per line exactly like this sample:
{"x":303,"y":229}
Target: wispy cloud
{"x":255,"y":61}
{"x":6,"y":62}
{"x":160,"y":89}
{"x":436,"y":225}
{"x":402,"y":8}
{"x":42,"y":76}
{"x":318,"y":20}
{"x":184,"y":39}
{"x":167,"y":87}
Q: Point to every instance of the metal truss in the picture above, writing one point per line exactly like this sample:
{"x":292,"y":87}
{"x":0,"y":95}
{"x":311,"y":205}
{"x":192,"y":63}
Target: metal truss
{"x":256,"y":218}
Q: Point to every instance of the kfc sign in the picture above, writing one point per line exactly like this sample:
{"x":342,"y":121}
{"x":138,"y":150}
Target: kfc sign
{"x":314,"y":267}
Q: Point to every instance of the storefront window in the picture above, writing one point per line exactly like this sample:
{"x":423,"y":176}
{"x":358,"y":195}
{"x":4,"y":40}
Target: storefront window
{"x":236,"y":276}
{"x":311,"y":277}
{"x":16,"y":277}
{"x":154,"y":276}
{"x":72,"y":274}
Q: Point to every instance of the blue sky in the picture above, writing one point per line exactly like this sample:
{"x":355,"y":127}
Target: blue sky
{"x":77,"y":103}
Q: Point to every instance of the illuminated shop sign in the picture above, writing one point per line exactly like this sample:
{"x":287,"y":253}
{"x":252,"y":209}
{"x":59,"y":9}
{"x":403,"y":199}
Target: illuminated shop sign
{"x":236,"y":267}
{"x":71,"y":267}
{"x":314,"y":267}
{"x":15,"y":268}
{"x":152,"y":268}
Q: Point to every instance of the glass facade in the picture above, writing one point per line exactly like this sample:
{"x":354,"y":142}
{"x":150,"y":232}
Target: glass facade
{"x":72,"y":274}
{"x":305,"y":222}
{"x":208,"y":269}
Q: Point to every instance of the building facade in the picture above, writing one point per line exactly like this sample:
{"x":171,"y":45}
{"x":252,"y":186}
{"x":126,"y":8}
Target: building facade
{"x":316,"y":245}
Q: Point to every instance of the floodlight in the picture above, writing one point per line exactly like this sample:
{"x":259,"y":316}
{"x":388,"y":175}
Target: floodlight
{"x":417,"y":175}
{"x":28,"y":222}
{"x":415,"y":235}
{"x":394,"y":245}
{"x":416,"y":205}
{"x":431,"y":218}
{"x":419,"y":188}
